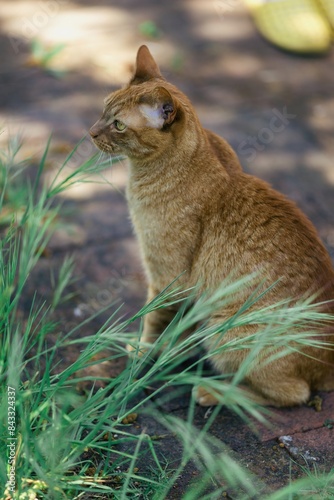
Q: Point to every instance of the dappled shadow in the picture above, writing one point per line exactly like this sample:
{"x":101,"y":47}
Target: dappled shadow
{"x":237,"y":83}
{"x":235,"y":79}
{"x":215,"y":55}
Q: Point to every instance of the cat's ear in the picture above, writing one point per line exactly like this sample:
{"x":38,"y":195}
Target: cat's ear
{"x":146,"y":67}
{"x":159,"y":108}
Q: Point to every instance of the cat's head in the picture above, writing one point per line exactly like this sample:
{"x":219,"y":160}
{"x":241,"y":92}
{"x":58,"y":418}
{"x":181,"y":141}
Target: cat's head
{"x":142,"y":118}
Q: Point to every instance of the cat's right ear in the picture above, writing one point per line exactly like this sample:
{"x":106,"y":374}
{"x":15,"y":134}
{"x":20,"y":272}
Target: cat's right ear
{"x":146,"y":67}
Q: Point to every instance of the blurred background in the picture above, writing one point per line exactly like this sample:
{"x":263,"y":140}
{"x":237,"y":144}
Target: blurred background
{"x":60,"y":58}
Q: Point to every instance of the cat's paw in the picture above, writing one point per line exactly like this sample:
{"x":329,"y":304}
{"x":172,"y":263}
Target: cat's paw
{"x":203,"y":397}
{"x":141,"y":349}
{"x":135,"y":349}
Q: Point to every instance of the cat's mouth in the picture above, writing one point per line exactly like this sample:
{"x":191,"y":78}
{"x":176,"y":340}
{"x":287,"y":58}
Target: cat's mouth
{"x":106,"y":147}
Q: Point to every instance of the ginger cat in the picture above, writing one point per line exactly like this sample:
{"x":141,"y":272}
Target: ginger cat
{"x":199,"y":216}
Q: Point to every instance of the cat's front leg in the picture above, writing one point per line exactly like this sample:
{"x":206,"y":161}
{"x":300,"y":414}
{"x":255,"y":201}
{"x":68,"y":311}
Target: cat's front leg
{"x":155,"y":323}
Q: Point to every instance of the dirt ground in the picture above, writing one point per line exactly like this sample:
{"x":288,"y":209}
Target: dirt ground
{"x":238,"y":83}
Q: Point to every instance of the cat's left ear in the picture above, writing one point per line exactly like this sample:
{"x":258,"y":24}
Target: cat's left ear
{"x":159,"y":108}
{"x":146,"y":67}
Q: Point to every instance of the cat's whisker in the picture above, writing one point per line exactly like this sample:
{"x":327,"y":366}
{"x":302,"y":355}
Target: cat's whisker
{"x":99,"y":160}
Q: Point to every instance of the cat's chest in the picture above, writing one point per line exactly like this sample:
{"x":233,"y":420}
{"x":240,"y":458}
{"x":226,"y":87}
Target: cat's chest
{"x":154,"y":223}
{"x":167,"y":235}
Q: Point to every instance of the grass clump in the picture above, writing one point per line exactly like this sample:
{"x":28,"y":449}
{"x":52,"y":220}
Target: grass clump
{"x":72,"y":445}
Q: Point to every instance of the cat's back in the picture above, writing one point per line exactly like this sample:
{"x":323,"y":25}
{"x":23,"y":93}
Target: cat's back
{"x":224,"y":152}
{"x":270,"y":211}
{"x":261,"y":229}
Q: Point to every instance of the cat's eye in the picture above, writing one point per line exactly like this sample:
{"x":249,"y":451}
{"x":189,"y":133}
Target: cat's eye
{"x":120,"y":126}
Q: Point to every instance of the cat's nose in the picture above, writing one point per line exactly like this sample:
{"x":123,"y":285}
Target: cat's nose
{"x":95,"y":131}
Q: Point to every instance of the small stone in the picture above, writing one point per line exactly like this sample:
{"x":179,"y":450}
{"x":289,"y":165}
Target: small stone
{"x":77,"y":312}
{"x":129,"y":419}
{"x":316,"y":402}
{"x":91,"y":471}
{"x":285,"y":441}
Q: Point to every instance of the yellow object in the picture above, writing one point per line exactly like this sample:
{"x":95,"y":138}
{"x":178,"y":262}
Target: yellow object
{"x":294,"y":25}
{"x":327,"y":7}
